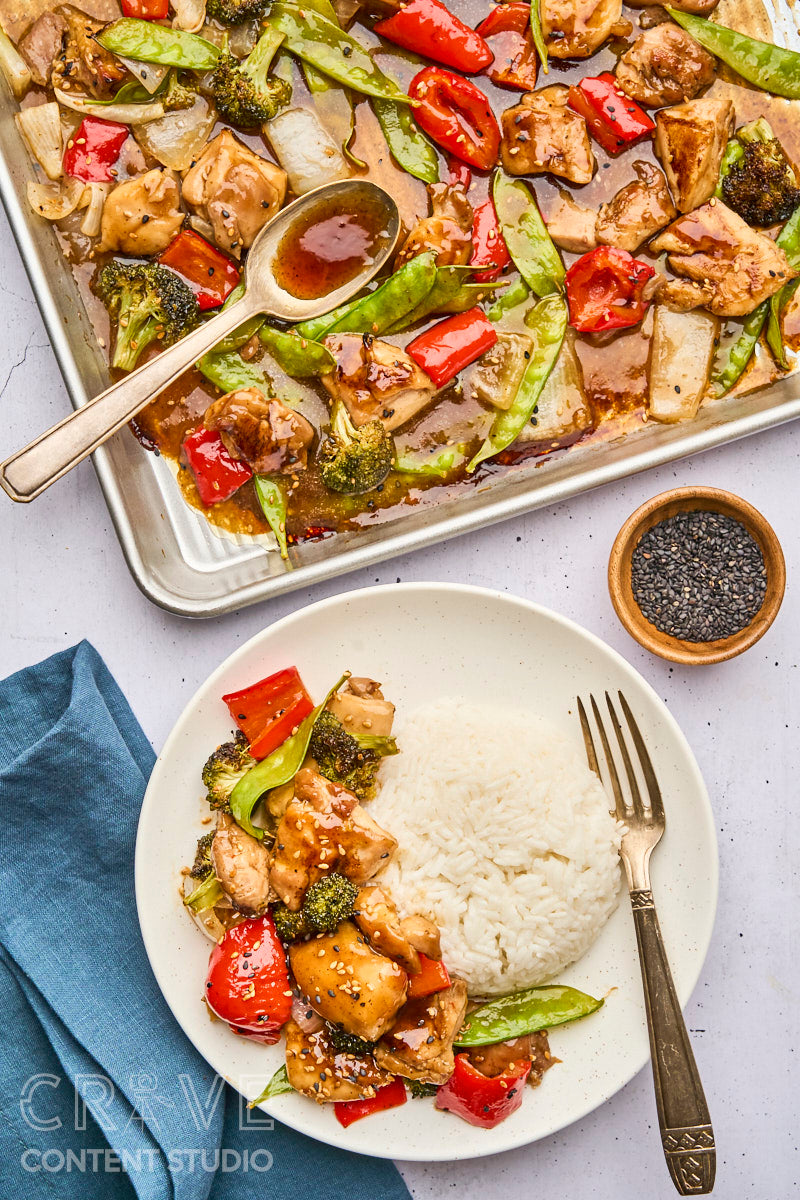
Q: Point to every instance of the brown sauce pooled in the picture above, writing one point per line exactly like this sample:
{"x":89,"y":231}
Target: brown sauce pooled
{"x":327,"y":248}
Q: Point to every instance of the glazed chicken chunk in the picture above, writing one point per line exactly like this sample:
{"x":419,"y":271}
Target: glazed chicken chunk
{"x":447,"y":231}
{"x":732,"y":266}
{"x":42,"y":45}
{"x":572,"y":226}
{"x":419,"y":1044}
{"x":241,"y":864}
{"x":637,"y":211}
{"x":349,"y":983}
{"x":235,"y":190}
{"x":541,"y":134}
{"x":576,"y":28}
{"x":377,"y":917}
{"x":665,"y":66}
{"x":263,"y":431}
{"x":324,"y":829}
{"x":690,"y":142}
{"x":361,"y":708}
{"x":317,"y":1069}
{"x":374,"y":379}
{"x":143,"y":215}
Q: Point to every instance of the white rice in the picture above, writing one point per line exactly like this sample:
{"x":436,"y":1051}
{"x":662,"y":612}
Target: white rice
{"x":505,"y":841}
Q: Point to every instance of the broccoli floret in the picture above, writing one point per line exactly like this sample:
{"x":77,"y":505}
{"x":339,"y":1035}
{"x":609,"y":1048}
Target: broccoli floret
{"x":353,"y":460}
{"x":234,"y":12}
{"x":761,"y":186}
{"x":203,"y":866}
{"x":289,"y":925}
{"x":149,"y":303}
{"x":419,"y":1089}
{"x":244,"y":92}
{"x":341,"y":758}
{"x":229,"y":763}
{"x":328,"y":902}
{"x":349,"y":1043}
{"x":177,"y":94}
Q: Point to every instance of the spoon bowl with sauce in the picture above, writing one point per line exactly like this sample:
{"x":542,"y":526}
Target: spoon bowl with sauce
{"x":316,"y":254}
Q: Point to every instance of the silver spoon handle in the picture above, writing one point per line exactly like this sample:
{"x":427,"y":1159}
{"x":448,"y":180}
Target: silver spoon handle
{"x":26,"y":474}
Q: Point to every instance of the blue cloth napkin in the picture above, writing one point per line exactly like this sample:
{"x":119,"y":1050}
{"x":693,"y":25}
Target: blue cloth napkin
{"x":101,"y":1095}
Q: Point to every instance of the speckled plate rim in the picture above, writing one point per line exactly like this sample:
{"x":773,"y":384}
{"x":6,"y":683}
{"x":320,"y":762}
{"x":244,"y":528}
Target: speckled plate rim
{"x":600,"y":1055}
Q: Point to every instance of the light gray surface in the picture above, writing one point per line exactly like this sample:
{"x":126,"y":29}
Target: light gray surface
{"x":64,"y":579}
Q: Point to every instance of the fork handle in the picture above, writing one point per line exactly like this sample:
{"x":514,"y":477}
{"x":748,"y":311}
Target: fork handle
{"x":683,"y":1117}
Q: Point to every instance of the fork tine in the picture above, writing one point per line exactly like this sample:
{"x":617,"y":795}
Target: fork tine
{"x":638,"y":807}
{"x":612,"y":768}
{"x":654,"y":791}
{"x":586,"y":729}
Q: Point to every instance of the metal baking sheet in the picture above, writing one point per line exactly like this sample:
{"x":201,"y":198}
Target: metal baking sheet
{"x":175,"y":556}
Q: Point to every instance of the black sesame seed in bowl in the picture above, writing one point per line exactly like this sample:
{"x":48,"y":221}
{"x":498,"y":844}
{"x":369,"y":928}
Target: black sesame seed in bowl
{"x":696,"y":575}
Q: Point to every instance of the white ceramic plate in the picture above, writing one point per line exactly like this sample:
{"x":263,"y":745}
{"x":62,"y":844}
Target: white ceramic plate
{"x":426,"y":641}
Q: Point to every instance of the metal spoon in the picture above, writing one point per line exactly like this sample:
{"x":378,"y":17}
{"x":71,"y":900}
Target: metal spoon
{"x":26,"y":474}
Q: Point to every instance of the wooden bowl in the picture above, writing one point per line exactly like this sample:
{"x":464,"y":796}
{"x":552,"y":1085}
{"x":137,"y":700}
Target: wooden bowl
{"x":691,"y":499}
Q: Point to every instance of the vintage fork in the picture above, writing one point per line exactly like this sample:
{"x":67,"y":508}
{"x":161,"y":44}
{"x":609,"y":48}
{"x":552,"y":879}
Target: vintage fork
{"x":683,"y":1117}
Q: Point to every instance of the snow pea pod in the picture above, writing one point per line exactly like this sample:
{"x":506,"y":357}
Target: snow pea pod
{"x":525,"y":233}
{"x":518,"y":293}
{"x":297,"y":356}
{"x":731,"y":364}
{"x":435,"y":465}
{"x":145,"y":41}
{"x":525,"y":1012}
{"x":789,"y":241}
{"x":449,"y":294}
{"x":272,"y":499}
{"x":765,"y":65}
{"x":205,"y":895}
{"x":276,"y":769}
{"x":241,"y":336}
{"x":229,"y":371}
{"x":318,"y":41}
{"x":333,"y":103}
{"x":547,"y":322}
{"x":381,"y":309}
{"x":278,"y":1084}
{"x":408,"y":144}
{"x":537,"y":34}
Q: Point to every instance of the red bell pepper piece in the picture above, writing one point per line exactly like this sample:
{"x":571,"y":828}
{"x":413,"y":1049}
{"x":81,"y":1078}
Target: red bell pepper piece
{"x":217,"y":474}
{"x":268,"y":711}
{"x":432,"y":977}
{"x":614,"y":120}
{"x":479,"y":1100}
{"x":457,"y":115}
{"x":458,"y":172}
{"x":604,"y":290}
{"x":453,"y":344}
{"x":146,"y":10}
{"x":430,"y":29}
{"x":93,"y":149}
{"x":210,"y":274}
{"x":251,"y":993}
{"x":488,"y":244}
{"x":391,"y":1096}
{"x":507,"y":31}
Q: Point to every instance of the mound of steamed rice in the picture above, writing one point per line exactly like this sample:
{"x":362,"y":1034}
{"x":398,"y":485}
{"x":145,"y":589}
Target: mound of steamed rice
{"x":505,"y":841}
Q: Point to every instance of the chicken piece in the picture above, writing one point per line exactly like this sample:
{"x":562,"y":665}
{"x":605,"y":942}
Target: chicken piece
{"x":348,"y":982}
{"x":42,"y":45}
{"x":420,"y":1043}
{"x":690,"y":141}
{"x":682,"y":295}
{"x":377,"y":917}
{"x":423,"y":935}
{"x":495,"y":1060}
{"x":317,"y":1069}
{"x":541,"y":134}
{"x":447,"y":231}
{"x":241,"y":864}
{"x":263,"y":431}
{"x":361,"y":707}
{"x":638,"y":210}
{"x":664,"y":66}
{"x":324,"y":829}
{"x":83,"y":61}
{"x":375,"y":379}
{"x":235,"y":190}
{"x":572,"y":226}
{"x":576,"y":28}
{"x":716,"y":248}
{"x":143,"y":215}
